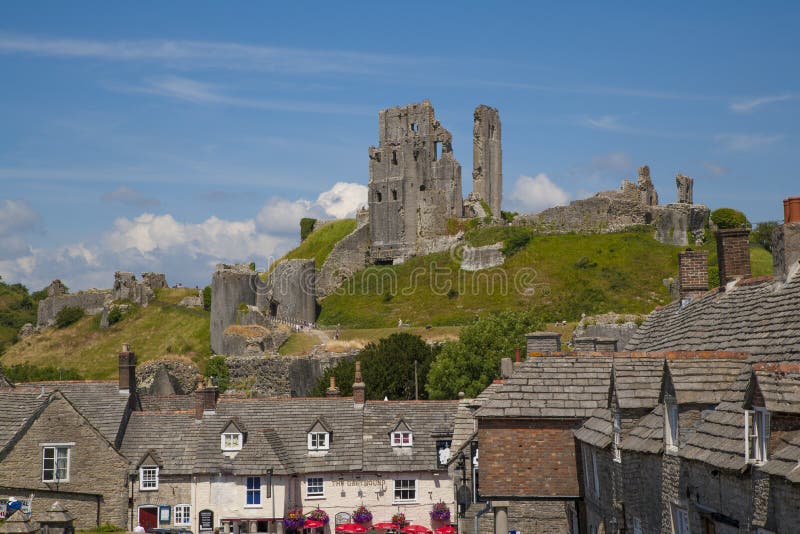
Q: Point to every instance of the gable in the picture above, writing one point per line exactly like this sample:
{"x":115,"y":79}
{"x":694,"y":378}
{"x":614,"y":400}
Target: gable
{"x":401,"y":426}
{"x":150,"y":459}
{"x":319,"y":425}
{"x":233,"y":427}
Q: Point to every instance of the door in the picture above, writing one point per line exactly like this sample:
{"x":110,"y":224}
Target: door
{"x":148,"y":517}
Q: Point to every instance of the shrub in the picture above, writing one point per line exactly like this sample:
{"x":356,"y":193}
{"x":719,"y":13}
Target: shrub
{"x":115,"y":315}
{"x":306,"y":227}
{"x":25,"y":372}
{"x":729,"y":218}
{"x":762,"y":234}
{"x":68,"y":315}
{"x":207,"y":298}
{"x":218,"y":369}
{"x":509,"y":216}
{"x":516,"y":241}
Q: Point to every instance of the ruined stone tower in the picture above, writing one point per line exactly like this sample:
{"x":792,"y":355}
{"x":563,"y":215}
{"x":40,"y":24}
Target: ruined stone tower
{"x":487,"y":158}
{"x":647,"y":191}
{"x":414,"y":182}
{"x":685,"y":189}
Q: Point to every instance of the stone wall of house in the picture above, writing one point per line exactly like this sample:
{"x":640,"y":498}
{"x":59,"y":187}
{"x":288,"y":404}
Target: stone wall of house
{"x":97,"y":472}
{"x":784,"y":505}
{"x":721,"y":491}
{"x":541,"y":517}
{"x":642,"y":489}
{"x":477,"y":258}
{"x":172,"y":490}
{"x":279,"y":376}
{"x":349,"y":256}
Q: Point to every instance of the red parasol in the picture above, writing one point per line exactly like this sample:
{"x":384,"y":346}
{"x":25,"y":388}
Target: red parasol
{"x":350,"y":527}
{"x":448,"y":529}
{"x":313,"y":523}
{"x":416,"y":529}
{"x":386,"y":526}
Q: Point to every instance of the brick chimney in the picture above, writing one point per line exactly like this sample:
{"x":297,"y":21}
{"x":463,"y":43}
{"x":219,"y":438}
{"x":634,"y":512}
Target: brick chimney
{"x":127,"y":370}
{"x":205,"y":399}
{"x":359,"y":388}
{"x":543,"y":342}
{"x":692,"y":272}
{"x":332,"y":391}
{"x":786,"y":241}
{"x":733,"y":254}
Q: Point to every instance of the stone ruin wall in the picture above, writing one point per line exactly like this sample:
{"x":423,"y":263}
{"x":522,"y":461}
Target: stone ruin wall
{"x":487,"y":158}
{"x":231,"y":285}
{"x":167,"y":377}
{"x":348,"y":256}
{"x":477,"y":258}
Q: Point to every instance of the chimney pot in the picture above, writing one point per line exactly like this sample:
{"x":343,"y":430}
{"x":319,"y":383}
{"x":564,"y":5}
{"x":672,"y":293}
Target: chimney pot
{"x":733,"y":253}
{"x":517,"y":356}
{"x":332,"y":391}
{"x":791,"y":210}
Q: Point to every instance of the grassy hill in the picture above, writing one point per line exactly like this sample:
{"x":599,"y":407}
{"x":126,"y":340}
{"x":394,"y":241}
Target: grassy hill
{"x":159,"y":329}
{"x":320,"y":242}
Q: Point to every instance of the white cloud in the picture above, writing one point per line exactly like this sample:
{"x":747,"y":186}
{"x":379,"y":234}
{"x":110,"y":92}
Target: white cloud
{"x":343,"y":199}
{"x":746,"y":142}
{"x":126,"y":195}
{"x":714,"y":168}
{"x":533,"y":194}
{"x":746,"y":106}
{"x":17,"y":219}
{"x":283,"y":216}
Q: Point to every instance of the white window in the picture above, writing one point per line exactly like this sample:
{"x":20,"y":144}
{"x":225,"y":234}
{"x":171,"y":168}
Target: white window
{"x":318,"y":441}
{"x":402,"y":438}
{"x":231,"y":441}
{"x":680,"y":520}
{"x":637,"y":526}
{"x":315,"y":487}
{"x":55,"y":464}
{"x":756,"y":435}
{"x":617,"y":454}
{"x":591,"y":479}
{"x":671,"y":425}
{"x":405,"y":491}
{"x":183,"y":514}
{"x":148,"y":478}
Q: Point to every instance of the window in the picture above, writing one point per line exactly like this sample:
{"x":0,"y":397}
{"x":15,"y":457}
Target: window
{"x":378,"y":196}
{"x":148,"y":478}
{"x":591,"y":480}
{"x":394,"y":194}
{"x":318,"y":441}
{"x":756,"y":434}
{"x":55,"y":464}
{"x":394,"y":157}
{"x":680,"y":520}
{"x":183,"y":514}
{"x":231,"y":441}
{"x":402,"y":438}
{"x":437,"y":150}
{"x":315,"y":487}
{"x":253,"y":491}
{"x":637,"y":526}
{"x":617,"y":454}
{"x":670,"y":424}
{"x":405,"y":490}
{"x":414,"y":127}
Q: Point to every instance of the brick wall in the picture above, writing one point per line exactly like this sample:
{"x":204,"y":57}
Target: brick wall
{"x":95,"y":468}
{"x":528,"y":457}
{"x":692,"y":271}
{"x":733,"y":253}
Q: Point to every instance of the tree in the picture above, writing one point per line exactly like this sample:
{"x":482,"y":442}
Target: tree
{"x":471,"y":363}
{"x":207,"y":298}
{"x":68,"y":315}
{"x":387,"y":368}
{"x":217,"y":368}
{"x":762,"y":234}
{"x":729,"y":218}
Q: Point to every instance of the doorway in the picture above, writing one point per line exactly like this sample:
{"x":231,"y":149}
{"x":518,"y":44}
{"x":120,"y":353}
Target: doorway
{"x":148,"y":517}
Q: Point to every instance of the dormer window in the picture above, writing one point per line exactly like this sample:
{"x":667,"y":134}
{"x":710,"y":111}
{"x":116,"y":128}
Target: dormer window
{"x":756,"y":435}
{"x":402,"y":436}
{"x":670,"y":424}
{"x":231,"y":441}
{"x":318,"y":441}
{"x":148,"y":478}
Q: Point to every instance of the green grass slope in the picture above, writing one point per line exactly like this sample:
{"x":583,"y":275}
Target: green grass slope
{"x":159,"y":329}
{"x":321,"y":241}
{"x":17,"y":307}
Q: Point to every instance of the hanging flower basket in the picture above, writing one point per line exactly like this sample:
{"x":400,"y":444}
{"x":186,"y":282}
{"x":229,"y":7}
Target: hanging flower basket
{"x":362,"y":515}
{"x":399,"y":519}
{"x":294,"y":519}
{"x":440,"y":512}
{"x":319,"y":515}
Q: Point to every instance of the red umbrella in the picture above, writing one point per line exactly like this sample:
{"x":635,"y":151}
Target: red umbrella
{"x":313,"y":523}
{"x":386,"y":526}
{"x":416,"y":529}
{"x":350,"y":527}
{"x":448,"y":529}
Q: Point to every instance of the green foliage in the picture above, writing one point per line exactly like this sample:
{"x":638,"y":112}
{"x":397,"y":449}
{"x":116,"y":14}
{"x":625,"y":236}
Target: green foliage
{"x":306,"y":227}
{"x":252,"y":265}
{"x":207,"y":298}
{"x":218,"y":369}
{"x":729,"y":218}
{"x":486,"y":209}
{"x":68,"y":315}
{"x":114,"y":315}
{"x":387,"y":368}
{"x":321,"y":241}
{"x":516,"y":241}
{"x":471,"y":363}
{"x":25,"y":372}
{"x":509,"y":216}
{"x":17,"y":307}
{"x":762,"y":234}
{"x":108,"y":527}
{"x":455,"y":225}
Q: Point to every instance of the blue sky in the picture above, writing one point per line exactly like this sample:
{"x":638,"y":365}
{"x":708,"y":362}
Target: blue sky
{"x":170,"y":136}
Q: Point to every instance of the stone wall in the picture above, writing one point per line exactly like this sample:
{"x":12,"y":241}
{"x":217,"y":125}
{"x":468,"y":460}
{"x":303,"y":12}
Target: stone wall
{"x":167,"y":377}
{"x":290,"y":292}
{"x":477,"y":258}
{"x":172,"y":490}
{"x":487,"y":158}
{"x":231,"y":285}
{"x":606,"y":326}
{"x":253,"y":339}
{"x":90,"y":301}
{"x":642,"y":489}
{"x":281,"y":376}
{"x":348,"y":256}
{"x":97,"y":473}
{"x":785,"y":249}
{"x":126,"y":287}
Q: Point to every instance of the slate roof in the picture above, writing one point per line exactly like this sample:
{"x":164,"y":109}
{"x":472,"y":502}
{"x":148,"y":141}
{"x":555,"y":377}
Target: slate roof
{"x":784,"y":460}
{"x":428,"y":420}
{"x":17,"y":409}
{"x":171,"y":436}
{"x":464,"y":427}
{"x":758,"y":316}
{"x":648,"y":434}
{"x":780,"y":385}
{"x":553,"y":386}
{"x":637,"y":381}
{"x":597,"y":430}
{"x":704,"y":381}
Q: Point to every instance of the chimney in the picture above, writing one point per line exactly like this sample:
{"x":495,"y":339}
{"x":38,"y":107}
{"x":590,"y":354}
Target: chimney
{"x":332,"y":391}
{"x":359,"y":388}
{"x":506,"y":368}
{"x":127,"y":370}
{"x":543,"y":342}
{"x":692,"y":272}
{"x":605,"y":344}
{"x":517,"y":356}
{"x":733,"y":254}
{"x":205,"y":399}
{"x":786,"y":241}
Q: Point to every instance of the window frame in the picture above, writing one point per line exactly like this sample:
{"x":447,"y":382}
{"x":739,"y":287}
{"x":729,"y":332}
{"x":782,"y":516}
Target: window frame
{"x":253,"y":490}
{"x":400,"y":434}
{"x":397,"y":487}
{"x":636,"y":525}
{"x":677,"y":523}
{"x":756,"y":434}
{"x":142,"y":470}
{"x":316,"y":495}
{"x":324,"y":447}
{"x":671,"y":426}
{"x":239,"y":441}
{"x":617,"y":438}
{"x":56,"y":447}
{"x":185,"y":515}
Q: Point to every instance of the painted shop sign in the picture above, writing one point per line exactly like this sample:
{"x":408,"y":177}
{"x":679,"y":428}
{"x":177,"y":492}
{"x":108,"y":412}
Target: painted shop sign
{"x":206,"y":520}
{"x":379,"y":482}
